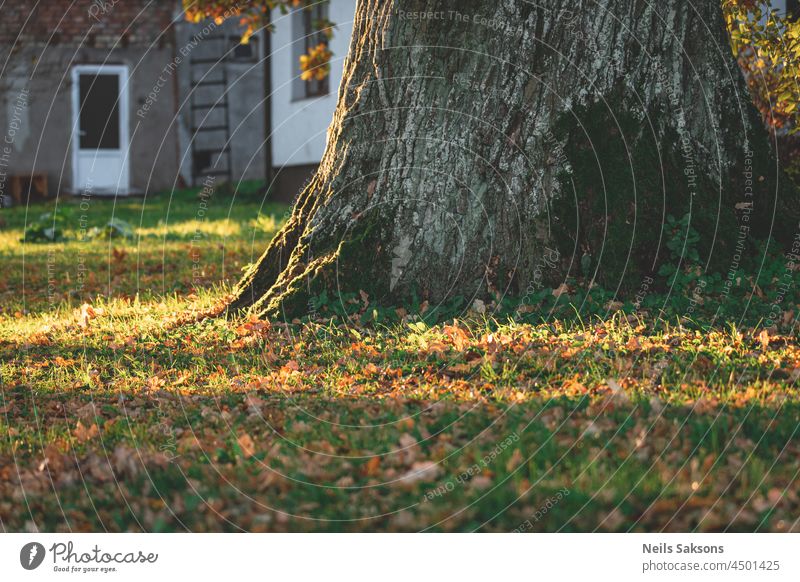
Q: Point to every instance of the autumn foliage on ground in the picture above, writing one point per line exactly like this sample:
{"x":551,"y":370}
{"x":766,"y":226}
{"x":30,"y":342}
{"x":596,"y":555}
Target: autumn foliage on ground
{"x":123,"y":408}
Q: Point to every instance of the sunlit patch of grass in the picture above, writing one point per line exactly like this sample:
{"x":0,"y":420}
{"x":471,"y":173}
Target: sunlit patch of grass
{"x":267,"y":223}
{"x":9,"y":238}
{"x":179,"y":244}
{"x":196,"y":229}
{"x":645,"y":425}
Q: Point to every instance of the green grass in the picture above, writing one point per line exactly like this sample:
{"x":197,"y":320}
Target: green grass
{"x":181,"y":242}
{"x":136,"y":415}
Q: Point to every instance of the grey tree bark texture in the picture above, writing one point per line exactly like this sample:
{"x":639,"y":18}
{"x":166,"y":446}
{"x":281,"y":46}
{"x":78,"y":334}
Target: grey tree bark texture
{"x":488,"y":148}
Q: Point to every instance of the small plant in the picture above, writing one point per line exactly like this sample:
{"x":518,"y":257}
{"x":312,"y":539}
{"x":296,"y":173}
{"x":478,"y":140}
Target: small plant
{"x":48,"y":228}
{"x":114,"y":229}
{"x":682,"y":270}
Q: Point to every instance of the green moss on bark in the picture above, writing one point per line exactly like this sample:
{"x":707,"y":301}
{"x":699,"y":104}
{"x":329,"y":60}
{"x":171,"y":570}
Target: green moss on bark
{"x":628,"y":175}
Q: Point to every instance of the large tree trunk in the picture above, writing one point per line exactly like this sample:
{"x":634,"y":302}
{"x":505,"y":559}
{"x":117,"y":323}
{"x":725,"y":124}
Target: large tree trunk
{"x":494,"y":147}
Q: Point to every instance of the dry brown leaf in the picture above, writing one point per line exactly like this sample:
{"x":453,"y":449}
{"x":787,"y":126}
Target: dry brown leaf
{"x":515,"y":460}
{"x":421,"y":471}
{"x":87,"y":412}
{"x":87,"y":314}
{"x":182,"y":378}
{"x":247,"y":445}
{"x":458,"y":336}
{"x":617,"y":391}
{"x":481,"y":482}
{"x":460,"y":368}
{"x":763,"y":339}
{"x":83,"y":434}
{"x":372,"y":467}
{"x":253,"y":402}
{"x":561,"y":290}
{"x":125,"y":461}
{"x":290,"y":366}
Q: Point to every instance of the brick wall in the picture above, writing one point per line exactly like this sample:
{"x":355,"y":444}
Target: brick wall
{"x":93,"y":23}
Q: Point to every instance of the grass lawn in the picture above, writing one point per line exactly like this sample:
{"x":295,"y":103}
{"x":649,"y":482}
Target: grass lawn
{"x":121,"y":411}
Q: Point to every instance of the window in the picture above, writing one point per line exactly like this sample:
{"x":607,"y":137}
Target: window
{"x":99,"y":117}
{"x":793,"y":8}
{"x":306,"y":35}
{"x":243,"y":52}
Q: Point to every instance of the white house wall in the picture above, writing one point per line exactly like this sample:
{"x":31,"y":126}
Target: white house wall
{"x":300,"y":126}
{"x":779,"y":5}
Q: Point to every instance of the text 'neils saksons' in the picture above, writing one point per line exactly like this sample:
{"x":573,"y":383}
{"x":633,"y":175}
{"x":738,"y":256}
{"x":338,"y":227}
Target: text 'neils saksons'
{"x":664,"y":548}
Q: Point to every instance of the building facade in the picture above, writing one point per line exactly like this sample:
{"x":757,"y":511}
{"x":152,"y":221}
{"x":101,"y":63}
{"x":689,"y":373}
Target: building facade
{"x":116,"y":98}
{"x":70,"y":81}
{"x":784,"y":6}
{"x":302,"y":111}
{"x":112,"y":98}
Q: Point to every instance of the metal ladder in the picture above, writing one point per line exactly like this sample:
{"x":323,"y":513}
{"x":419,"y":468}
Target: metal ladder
{"x":206,"y":159}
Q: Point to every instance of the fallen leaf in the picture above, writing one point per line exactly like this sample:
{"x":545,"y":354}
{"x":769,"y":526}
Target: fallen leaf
{"x":87,"y":314}
{"x":561,"y":290}
{"x":290,"y":366}
{"x":371,"y":467}
{"x":616,"y":390}
{"x":87,"y":412}
{"x":421,"y":471}
{"x":763,"y":339}
{"x":84,"y":434}
{"x":253,"y":402}
{"x":481,"y":482}
{"x":247,"y":445}
{"x":457,"y":335}
{"x":125,"y":461}
{"x":515,"y":460}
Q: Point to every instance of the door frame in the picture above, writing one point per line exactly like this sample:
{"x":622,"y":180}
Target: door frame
{"x":123,"y":184}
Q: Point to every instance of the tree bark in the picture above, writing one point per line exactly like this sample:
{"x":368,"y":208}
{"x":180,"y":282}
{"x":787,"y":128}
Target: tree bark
{"x":481,"y":149}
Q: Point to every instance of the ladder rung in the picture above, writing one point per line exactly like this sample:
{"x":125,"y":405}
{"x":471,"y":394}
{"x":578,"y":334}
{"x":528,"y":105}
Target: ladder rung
{"x":214,"y":173}
{"x":208,"y":105}
{"x":210,"y":128}
{"x":224,"y":150}
{"x":207,"y":61}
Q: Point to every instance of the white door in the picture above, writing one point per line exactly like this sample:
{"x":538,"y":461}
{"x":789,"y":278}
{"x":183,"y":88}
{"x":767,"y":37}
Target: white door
{"x":100,"y":129}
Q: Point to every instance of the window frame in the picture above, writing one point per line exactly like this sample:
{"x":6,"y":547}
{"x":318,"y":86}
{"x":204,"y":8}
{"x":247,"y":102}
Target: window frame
{"x":311,"y":37}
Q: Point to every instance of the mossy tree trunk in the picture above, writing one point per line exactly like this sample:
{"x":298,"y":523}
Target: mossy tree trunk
{"x":483,"y":148}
